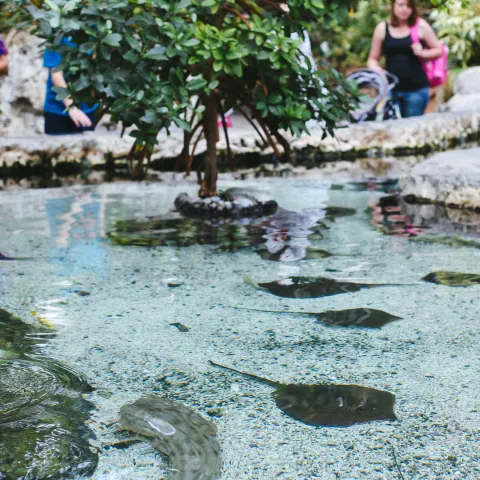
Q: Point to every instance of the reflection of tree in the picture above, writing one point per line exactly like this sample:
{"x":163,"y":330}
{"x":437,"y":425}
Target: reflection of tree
{"x":288,"y":234}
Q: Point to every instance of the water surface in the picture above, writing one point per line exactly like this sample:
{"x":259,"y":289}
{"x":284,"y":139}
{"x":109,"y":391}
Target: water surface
{"x":124,"y":336}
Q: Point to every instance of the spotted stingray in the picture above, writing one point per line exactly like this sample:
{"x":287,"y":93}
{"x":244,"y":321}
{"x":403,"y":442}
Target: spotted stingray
{"x":329,"y":405}
{"x":311,"y":287}
{"x":351,"y":317}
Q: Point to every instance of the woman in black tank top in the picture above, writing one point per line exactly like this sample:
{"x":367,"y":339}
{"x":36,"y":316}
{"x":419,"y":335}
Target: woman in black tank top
{"x":403,"y":57}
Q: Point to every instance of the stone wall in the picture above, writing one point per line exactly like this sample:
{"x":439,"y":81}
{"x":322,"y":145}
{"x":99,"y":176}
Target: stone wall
{"x":22,"y":91}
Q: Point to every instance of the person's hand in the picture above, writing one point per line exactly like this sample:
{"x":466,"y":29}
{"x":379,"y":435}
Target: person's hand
{"x":79,"y":118}
{"x":417,"y":49}
{"x":377,"y":68}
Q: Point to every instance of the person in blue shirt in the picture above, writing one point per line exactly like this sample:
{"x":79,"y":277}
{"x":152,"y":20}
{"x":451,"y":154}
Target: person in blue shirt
{"x":59,"y":118}
{"x":3,"y":57}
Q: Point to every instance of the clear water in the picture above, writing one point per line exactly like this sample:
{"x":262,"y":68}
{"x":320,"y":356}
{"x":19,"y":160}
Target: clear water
{"x":113,"y":306}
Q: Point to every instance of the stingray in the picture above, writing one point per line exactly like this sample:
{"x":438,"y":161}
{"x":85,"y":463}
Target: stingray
{"x":329,"y":405}
{"x":310,"y":287}
{"x":187,"y":438}
{"x":453,"y":279}
{"x":360,"y":317}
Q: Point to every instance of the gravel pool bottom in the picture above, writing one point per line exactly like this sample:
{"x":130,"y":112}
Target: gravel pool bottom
{"x":145,"y":318}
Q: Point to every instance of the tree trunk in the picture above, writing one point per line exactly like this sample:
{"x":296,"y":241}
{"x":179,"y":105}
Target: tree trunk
{"x":208,"y":187}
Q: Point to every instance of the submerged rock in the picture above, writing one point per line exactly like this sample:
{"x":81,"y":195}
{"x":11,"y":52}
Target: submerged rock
{"x":42,"y":413}
{"x":310,"y":287}
{"x":453,"y":279}
{"x":187,"y":438}
{"x":329,"y":405}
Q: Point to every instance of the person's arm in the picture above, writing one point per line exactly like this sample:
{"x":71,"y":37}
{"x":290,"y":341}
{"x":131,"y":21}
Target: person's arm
{"x":3,"y":65}
{"x":434,"y":47}
{"x":79,"y":118}
{"x":376,"y":48}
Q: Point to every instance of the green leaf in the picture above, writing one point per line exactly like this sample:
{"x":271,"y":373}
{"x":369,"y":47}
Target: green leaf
{"x":87,"y":47}
{"x":182,"y":124}
{"x":184,"y":4}
{"x":113,"y":39}
{"x":191,"y":42}
{"x":196,"y":84}
{"x":52,"y":5}
{"x":156,"y":53}
{"x":213,"y":84}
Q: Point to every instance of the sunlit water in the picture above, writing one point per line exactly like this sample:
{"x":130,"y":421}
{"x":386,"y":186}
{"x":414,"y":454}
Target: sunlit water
{"x":116,"y":311}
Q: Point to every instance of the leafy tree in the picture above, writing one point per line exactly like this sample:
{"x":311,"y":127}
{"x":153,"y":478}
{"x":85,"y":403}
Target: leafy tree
{"x":153,"y":64}
{"x":458,"y":25}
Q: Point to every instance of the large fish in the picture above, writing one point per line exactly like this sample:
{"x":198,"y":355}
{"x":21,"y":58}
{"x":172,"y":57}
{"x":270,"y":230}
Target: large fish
{"x":187,"y":438}
{"x":329,"y":405}
{"x":310,"y":287}
{"x":358,"y":317}
{"x":453,"y":279}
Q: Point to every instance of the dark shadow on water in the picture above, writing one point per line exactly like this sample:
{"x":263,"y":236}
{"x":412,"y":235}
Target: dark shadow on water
{"x":329,"y":405}
{"x":42,"y":413}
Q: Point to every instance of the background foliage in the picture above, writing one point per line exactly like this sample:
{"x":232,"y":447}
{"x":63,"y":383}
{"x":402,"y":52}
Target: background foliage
{"x":458,"y":24}
{"x":346,"y":40}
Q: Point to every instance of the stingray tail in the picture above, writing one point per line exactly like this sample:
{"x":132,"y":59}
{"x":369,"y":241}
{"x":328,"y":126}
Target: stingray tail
{"x":269,"y":311}
{"x":248,"y":375}
{"x":247,"y":279}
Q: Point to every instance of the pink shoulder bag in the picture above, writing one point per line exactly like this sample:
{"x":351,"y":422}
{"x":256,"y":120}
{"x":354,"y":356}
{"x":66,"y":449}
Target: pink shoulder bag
{"x":436,"y":69}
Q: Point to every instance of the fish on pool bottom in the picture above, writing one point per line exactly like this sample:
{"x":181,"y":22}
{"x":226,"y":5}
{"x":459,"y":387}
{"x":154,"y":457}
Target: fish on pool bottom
{"x":329,"y":405}
{"x":187,"y":438}
{"x":310,"y":287}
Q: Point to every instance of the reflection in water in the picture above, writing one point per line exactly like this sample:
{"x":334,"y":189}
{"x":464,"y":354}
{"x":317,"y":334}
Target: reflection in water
{"x":426,"y":223}
{"x":453,"y":279}
{"x":77,"y":228}
{"x":310,"y":287}
{"x":330,"y":405}
{"x":285,"y":236}
{"x":293,"y":254}
{"x":42,"y":413}
{"x":188,"y":439}
{"x":388,"y":215}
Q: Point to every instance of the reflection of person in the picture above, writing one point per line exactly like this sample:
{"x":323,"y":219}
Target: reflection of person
{"x":3,"y":57}
{"x":59,"y":119}
{"x":403,"y":56}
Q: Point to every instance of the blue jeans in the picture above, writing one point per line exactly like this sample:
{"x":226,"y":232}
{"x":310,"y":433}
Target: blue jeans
{"x":412,"y":104}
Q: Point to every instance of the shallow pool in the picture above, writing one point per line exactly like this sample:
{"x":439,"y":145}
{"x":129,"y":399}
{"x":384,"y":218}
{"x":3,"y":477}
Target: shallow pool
{"x":140,"y":320}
